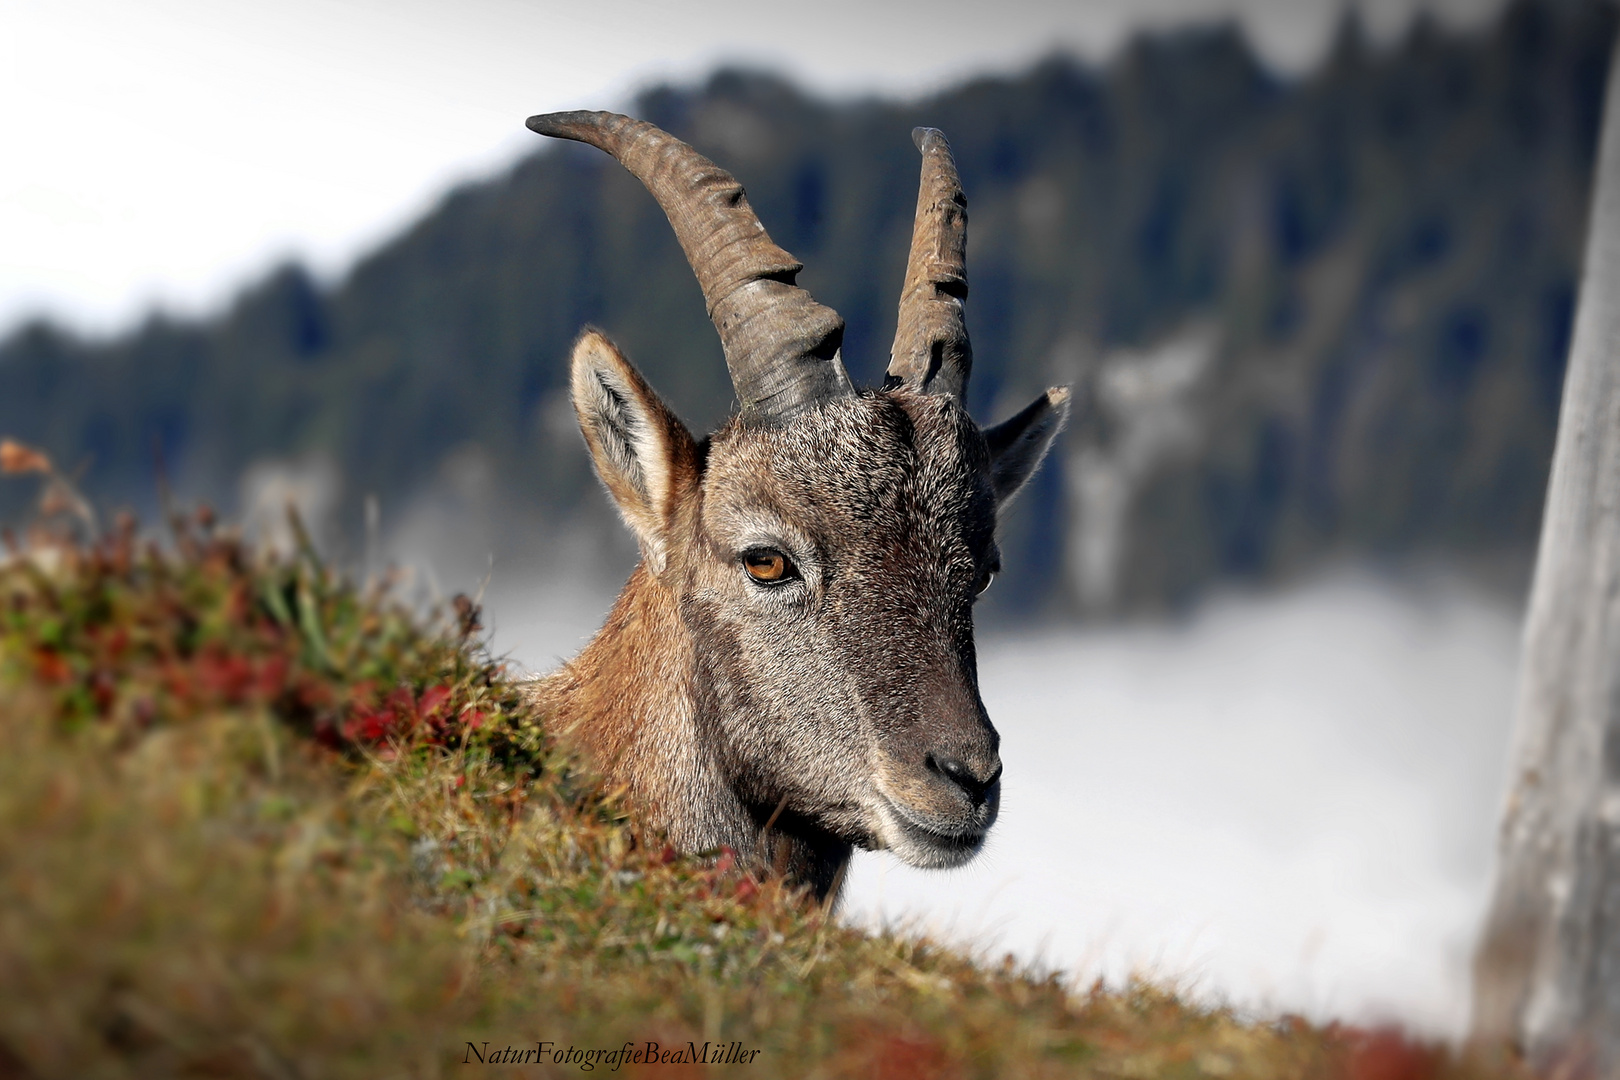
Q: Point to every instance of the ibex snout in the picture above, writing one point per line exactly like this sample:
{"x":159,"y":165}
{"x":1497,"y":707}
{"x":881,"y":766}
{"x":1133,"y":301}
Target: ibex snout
{"x":940,"y":791}
{"x":979,"y":781}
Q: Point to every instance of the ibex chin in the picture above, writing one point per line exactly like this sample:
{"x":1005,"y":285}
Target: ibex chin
{"x":790,"y":668}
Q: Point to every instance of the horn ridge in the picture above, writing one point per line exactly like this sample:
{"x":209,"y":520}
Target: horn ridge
{"x":782,"y":347}
{"x":931,"y":349}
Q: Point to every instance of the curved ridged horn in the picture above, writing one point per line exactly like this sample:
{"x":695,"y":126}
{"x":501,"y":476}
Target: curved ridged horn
{"x":931,"y":349}
{"x":781,"y":347}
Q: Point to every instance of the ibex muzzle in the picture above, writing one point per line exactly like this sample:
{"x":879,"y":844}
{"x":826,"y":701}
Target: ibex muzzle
{"x":790,"y":669}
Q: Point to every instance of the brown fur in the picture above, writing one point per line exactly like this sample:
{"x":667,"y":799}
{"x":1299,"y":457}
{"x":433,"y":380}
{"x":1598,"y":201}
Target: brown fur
{"x":845,"y":702}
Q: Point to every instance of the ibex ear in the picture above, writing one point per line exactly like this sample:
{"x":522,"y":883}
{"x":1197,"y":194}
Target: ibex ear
{"x":1018,"y":445}
{"x":643,"y":453}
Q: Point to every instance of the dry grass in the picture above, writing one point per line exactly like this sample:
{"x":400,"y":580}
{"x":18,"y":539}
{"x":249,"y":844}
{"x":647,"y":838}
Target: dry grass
{"x":257,"y":822}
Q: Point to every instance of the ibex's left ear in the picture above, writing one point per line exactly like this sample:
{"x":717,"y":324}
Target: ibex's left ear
{"x":643,"y":453}
{"x":1018,"y":445}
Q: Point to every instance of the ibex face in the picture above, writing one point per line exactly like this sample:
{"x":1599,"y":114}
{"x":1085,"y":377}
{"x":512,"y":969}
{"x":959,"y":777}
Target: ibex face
{"x":796,"y":649}
{"x":847,"y":683}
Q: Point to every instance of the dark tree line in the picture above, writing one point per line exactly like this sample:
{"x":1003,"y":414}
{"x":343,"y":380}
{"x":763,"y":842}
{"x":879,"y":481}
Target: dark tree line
{"x":1383,"y":253}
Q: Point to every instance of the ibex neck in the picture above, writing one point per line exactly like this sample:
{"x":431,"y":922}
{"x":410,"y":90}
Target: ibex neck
{"x":628,"y":700}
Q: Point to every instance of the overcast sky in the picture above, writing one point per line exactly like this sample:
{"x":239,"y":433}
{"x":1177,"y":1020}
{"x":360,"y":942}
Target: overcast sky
{"x":163,"y":152}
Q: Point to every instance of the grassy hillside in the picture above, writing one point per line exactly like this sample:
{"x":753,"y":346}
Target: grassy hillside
{"x":1386,"y":250}
{"x":258,"y":821}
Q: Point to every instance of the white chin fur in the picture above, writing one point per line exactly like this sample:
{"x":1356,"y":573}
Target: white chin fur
{"x":917,"y":846}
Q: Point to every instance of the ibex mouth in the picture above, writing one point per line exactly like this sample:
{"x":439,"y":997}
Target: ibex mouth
{"x":930,"y":844}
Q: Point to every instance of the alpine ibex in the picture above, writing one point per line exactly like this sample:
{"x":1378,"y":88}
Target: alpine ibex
{"x":792,"y":661}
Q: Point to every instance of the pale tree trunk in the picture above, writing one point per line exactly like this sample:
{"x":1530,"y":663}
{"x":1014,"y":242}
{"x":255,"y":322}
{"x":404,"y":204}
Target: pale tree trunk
{"x":1547,"y":974}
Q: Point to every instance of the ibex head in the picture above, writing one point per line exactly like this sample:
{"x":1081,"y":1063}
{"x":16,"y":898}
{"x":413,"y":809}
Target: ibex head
{"x":796,"y":647}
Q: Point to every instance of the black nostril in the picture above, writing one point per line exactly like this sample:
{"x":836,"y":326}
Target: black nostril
{"x":958,"y":773}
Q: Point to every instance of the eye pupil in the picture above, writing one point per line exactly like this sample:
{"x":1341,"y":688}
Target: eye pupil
{"x":985,"y":584}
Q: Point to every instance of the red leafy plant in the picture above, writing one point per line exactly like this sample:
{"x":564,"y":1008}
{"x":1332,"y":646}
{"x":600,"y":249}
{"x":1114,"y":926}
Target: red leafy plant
{"x":131,"y":633}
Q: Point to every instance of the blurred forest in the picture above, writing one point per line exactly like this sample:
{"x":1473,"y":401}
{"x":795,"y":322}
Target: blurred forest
{"x":1306,"y":318}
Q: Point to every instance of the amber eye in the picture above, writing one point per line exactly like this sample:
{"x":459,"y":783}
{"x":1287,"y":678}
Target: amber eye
{"x":768,"y":566}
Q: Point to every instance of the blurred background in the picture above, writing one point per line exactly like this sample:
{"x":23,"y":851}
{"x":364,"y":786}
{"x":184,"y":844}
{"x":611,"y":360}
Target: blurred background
{"x":1311,"y":268}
